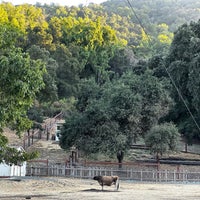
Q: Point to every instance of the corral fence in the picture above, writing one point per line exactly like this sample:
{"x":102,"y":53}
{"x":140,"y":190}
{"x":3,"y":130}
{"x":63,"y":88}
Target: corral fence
{"x":124,"y":174}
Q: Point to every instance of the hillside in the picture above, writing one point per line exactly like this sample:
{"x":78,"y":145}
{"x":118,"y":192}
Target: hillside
{"x":13,"y":139}
{"x":49,"y":150}
{"x":91,"y":56}
{"x":173,"y":13}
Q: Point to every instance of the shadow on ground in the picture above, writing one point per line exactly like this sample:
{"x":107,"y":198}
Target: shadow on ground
{"x":24,"y":196}
{"x":95,"y":190}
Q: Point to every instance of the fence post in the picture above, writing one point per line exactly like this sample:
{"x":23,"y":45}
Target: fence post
{"x":57,"y":170}
{"x":81,"y":172}
{"x":174,"y":176}
{"x":32,"y":137}
{"x":31,"y":171}
{"x":28,"y":132}
{"x":165,"y":175}
{"x":24,"y":144}
{"x":158,"y":175}
{"x":186,"y":177}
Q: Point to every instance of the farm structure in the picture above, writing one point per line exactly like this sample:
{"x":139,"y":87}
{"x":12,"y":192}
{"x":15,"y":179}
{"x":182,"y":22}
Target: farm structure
{"x":50,"y":130}
{"x":58,"y":127}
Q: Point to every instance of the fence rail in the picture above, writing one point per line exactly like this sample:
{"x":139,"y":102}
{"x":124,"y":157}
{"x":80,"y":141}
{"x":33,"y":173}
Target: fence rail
{"x":124,"y":174}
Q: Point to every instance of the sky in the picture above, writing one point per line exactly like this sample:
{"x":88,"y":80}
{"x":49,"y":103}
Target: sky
{"x":60,"y":2}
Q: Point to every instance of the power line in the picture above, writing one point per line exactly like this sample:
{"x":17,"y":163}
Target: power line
{"x":138,"y":19}
{"x":173,"y":82}
{"x":181,"y":96}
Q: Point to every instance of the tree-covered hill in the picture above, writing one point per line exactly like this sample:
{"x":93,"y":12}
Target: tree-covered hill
{"x":172,"y":12}
{"x":104,"y":66}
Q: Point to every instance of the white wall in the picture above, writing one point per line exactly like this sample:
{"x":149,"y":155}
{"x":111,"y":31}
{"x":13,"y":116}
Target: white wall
{"x":13,"y":170}
{"x":4,"y":170}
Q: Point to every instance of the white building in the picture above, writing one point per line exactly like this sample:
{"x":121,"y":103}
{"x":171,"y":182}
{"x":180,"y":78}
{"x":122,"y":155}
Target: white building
{"x":59,"y":124}
{"x":13,"y":170}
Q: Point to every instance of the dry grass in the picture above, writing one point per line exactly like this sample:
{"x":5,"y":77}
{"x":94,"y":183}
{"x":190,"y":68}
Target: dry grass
{"x":85,"y":189}
{"x":13,"y":139}
{"x":66,"y":188}
{"x":52,"y":151}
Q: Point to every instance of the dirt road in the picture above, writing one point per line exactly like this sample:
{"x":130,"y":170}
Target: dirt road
{"x":84,"y":189}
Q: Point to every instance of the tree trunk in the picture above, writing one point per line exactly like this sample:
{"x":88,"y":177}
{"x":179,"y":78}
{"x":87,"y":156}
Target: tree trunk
{"x":120,"y":156}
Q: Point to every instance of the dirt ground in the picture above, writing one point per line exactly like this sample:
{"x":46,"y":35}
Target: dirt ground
{"x":48,"y":188}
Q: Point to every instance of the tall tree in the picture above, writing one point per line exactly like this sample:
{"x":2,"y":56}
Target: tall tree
{"x":50,"y":91}
{"x":111,"y":116}
{"x":182,"y":64}
{"x":69,"y":69}
{"x":21,"y":79}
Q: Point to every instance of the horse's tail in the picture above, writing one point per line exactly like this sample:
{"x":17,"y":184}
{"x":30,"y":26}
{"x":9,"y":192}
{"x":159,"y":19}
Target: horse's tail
{"x":117,"y":184}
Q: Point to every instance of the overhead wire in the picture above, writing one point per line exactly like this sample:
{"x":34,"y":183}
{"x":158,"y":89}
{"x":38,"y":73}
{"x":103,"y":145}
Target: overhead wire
{"x":138,"y":19}
{"x":173,"y":82}
{"x":181,"y":96}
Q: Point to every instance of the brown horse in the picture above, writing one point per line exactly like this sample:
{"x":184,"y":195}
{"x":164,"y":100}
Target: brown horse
{"x":108,"y":181}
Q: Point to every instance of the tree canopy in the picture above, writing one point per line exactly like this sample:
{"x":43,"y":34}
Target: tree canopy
{"x":115,"y":70}
{"x":183,"y":65}
{"x":21,"y":79}
{"x":111,"y":116}
{"x":162,"y":139}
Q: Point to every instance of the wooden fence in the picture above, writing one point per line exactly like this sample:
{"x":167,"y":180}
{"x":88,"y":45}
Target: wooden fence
{"x":124,"y":174}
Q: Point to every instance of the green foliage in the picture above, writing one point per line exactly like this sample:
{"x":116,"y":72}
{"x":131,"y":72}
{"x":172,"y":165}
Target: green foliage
{"x":97,"y":42}
{"x":123,"y":60}
{"x":162,"y":138}
{"x":8,"y":36}
{"x":183,"y":65}
{"x":66,"y":106}
{"x":21,"y":78}
{"x":11,"y":155}
{"x":70,"y":64}
{"x":14,"y":156}
{"x":83,"y":55}
{"x":111,"y":116}
{"x":49,"y":91}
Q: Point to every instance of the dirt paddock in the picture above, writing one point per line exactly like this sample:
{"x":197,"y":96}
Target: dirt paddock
{"x":48,"y":188}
